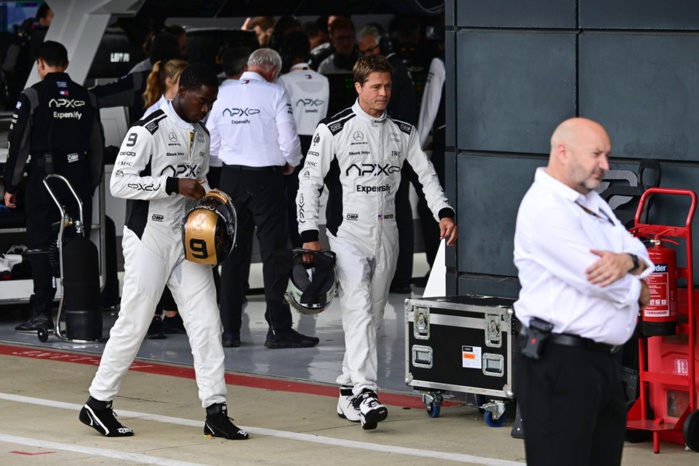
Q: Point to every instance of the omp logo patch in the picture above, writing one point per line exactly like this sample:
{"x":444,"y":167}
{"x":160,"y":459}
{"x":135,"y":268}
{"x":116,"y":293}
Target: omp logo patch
{"x":157,"y":217}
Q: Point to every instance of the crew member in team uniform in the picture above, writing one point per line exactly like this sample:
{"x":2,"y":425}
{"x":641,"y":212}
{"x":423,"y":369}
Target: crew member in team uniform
{"x":56,"y":122}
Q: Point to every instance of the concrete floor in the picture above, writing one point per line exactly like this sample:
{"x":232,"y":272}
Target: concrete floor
{"x":284,"y":398}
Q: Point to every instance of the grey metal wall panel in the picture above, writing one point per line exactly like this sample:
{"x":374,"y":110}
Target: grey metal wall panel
{"x":484,"y":285}
{"x":558,"y":14}
{"x":452,"y":288}
{"x":452,"y":193}
{"x":513,"y":88}
{"x":490,"y":191}
{"x":450,"y":87}
{"x":639,"y":14}
{"x":644,"y":88}
{"x":449,"y":15}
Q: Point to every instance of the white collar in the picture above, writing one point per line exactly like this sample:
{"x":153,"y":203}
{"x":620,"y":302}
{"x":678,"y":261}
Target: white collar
{"x":179,"y":121}
{"x":356,"y":108}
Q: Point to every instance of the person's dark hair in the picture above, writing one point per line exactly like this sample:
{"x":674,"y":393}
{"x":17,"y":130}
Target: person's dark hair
{"x":370,"y":64}
{"x":310,"y":28}
{"x":197,"y":75}
{"x":284,"y":25}
{"x":53,"y":53}
{"x":322,"y":22}
{"x":342,"y":22}
{"x":164,"y":47}
{"x":42,"y":11}
{"x":295,"y":44}
{"x":234,"y":59}
{"x":405,"y":29}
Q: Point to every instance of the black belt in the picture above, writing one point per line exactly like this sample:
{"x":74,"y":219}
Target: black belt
{"x":580,"y":342}
{"x":272,"y":168}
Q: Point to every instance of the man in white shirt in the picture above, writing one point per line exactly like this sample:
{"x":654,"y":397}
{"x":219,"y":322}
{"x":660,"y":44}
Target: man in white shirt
{"x":254,"y":134}
{"x":309,"y":94}
{"x":582,"y":285}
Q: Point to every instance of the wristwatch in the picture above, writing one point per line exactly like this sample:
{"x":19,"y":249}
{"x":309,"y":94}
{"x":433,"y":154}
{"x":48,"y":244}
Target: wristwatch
{"x":634,"y":259}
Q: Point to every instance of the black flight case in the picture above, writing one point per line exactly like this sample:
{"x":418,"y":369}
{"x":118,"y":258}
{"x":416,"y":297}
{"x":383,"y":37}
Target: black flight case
{"x":461,"y":345}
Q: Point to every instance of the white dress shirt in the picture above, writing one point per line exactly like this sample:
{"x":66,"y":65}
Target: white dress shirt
{"x":553,"y":239}
{"x":309,"y":93}
{"x":252,"y":124}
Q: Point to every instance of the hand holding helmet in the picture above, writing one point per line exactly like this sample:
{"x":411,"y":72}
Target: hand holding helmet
{"x":208,"y":229}
{"x":191,"y":188}
{"x":312,"y":285}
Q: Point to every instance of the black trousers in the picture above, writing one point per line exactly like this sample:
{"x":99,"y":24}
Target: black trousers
{"x":266,"y":210}
{"x":406,"y":237}
{"x":573,"y":408}
{"x":42,"y":227}
{"x":430,"y":228}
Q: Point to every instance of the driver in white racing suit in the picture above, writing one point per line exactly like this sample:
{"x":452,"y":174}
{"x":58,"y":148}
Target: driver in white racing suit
{"x":358,"y":155}
{"x":161,"y":170}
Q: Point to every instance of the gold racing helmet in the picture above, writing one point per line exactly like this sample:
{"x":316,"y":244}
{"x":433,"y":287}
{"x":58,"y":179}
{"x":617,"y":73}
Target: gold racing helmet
{"x":209,"y":228}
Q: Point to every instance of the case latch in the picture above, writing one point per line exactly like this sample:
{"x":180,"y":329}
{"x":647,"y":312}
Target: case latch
{"x":493,"y":333}
{"x":421,"y":323}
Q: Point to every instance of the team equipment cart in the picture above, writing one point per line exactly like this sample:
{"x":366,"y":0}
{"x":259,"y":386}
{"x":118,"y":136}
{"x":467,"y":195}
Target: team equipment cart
{"x":80,"y":279}
{"x":667,"y":403}
{"x":461,"y":345}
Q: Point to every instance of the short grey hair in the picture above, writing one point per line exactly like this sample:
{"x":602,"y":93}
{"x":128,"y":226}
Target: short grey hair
{"x":369,"y":31}
{"x":266,"y":59}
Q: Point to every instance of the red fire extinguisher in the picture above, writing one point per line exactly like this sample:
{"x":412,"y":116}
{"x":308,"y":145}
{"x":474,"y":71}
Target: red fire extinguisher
{"x":660,"y":316}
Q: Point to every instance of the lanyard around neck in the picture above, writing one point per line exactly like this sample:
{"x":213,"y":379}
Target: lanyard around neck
{"x":604,"y":216}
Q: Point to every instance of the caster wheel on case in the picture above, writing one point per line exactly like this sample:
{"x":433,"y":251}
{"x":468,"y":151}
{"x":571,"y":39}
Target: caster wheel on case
{"x":43,"y":334}
{"x":491,"y":421}
{"x":433,"y":409}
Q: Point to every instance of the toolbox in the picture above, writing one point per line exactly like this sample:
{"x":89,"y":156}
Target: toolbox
{"x":461,"y":345}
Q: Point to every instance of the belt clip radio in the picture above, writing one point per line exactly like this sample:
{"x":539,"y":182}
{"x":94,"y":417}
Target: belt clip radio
{"x":537,"y":334}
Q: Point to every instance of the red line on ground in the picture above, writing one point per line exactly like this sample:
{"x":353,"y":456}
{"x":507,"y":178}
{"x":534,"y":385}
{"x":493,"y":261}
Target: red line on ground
{"x":26,"y":453}
{"x":240,"y":380}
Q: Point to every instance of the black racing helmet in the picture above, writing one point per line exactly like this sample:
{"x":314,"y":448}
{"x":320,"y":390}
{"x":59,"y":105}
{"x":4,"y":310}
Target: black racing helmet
{"x":311,"y":286}
{"x":209,"y":228}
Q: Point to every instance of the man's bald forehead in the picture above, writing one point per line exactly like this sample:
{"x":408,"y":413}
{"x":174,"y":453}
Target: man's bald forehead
{"x":571,"y":128}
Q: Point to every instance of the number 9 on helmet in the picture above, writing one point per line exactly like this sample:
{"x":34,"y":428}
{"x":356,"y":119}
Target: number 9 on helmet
{"x":208,"y":229}
{"x":311,"y":286}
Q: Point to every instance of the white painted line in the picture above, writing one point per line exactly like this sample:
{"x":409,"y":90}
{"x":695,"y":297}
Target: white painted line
{"x":278,"y":433}
{"x":120,"y":455}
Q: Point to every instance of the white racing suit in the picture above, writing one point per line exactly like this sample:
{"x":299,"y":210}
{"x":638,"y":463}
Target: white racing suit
{"x":156,"y":152}
{"x":359,"y":159}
